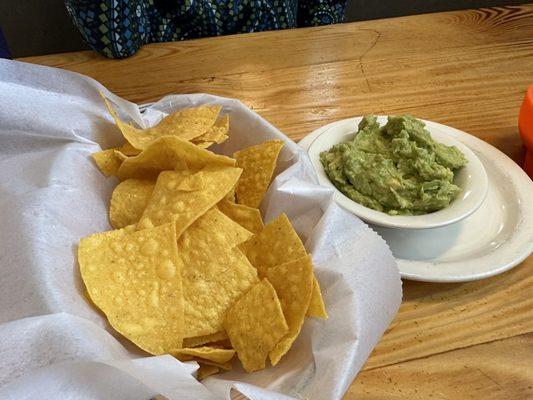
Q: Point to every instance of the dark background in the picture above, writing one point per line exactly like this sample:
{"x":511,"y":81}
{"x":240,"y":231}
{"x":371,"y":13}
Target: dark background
{"x":35,"y":27}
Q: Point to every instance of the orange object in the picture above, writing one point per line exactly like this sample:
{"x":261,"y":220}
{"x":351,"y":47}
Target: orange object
{"x":525,"y":126}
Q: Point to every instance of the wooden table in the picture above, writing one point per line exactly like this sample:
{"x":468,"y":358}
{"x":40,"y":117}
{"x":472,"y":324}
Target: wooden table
{"x":467,"y":69}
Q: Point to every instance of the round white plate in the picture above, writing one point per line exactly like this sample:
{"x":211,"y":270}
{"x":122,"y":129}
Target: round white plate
{"x":495,"y":238}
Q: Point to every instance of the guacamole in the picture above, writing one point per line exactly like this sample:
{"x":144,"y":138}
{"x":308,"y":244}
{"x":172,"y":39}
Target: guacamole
{"x":397,"y":168}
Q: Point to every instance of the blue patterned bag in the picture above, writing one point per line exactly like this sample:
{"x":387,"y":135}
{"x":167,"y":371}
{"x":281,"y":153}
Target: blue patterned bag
{"x":117,"y":29}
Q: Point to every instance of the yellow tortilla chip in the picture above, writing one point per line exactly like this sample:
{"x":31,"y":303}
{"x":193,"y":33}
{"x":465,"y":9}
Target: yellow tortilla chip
{"x":128,"y":201}
{"x":204,"y":145}
{"x":128,"y":150}
{"x":317,"y":308}
{"x":175,"y":199}
{"x":121,"y":156}
{"x":231,"y":195}
{"x":258,"y":164}
{"x":186,"y":124}
{"x":135,"y":279}
{"x":219,"y":356}
{"x":200,"y":340}
{"x":248,"y":217}
{"x":293,"y":282}
{"x":217,"y":223}
{"x":214,"y":277}
{"x":227,"y":366}
{"x":217,"y":133}
{"x":206,"y":370}
{"x":170,"y":153}
{"x":107,"y":161}
{"x":255,"y":324}
{"x":276,"y":244}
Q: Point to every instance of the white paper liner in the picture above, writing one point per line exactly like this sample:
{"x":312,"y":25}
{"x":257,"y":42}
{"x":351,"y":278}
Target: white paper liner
{"x":53,"y":344}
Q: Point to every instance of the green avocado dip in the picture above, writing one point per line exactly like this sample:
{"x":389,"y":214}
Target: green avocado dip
{"x":397,"y":168}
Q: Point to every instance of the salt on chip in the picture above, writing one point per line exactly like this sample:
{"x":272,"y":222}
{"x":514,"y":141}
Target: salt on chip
{"x":258,"y":163}
{"x":293,"y":282}
{"x":181,"y":197}
{"x":135,"y":279}
{"x":128,"y":201}
{"x":248,"y":217}
{"x":170,"y":153}
{"x":204,"y":339}
{"x":276,"y":244}
{"x":206,"y":370}
{"x":213,"y":354}
{"x":107,"y":161}
{"x":255,"y":324}
{"x":214,"y":277}
{"x":187,"y":124}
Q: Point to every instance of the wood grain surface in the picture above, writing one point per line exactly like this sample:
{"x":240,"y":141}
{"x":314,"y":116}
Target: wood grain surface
{"x":467,"y":69}
{"x":495,"y":370}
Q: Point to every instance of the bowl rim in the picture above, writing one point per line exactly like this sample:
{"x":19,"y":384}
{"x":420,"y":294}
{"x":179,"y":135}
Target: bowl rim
{"x":404,"y":221}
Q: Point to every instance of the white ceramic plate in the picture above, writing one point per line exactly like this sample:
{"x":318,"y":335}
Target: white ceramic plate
{"x":495,"y":238}
{"x":472,"y":179}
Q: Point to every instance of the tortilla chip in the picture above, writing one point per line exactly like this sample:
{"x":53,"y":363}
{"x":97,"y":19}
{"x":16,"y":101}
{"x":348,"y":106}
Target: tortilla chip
{"x":206,"y":370}
{"x":128,"y":150}
{"x":200,"y":340}
{"x":215,"y":222}
{"x":293,"y":282}
{"x":135,"y":279}
{"x":276,"y":244}
{"x":227,"y":366}
{"x":204,"y":145}
{"x":258,"y":164}
{"x":249,"y":218}
{"x":255,"y":324}
{"x":217,"y":133}
{"x":128,"y":201}
{"x":121,"y":156}
{"x":231,"y":195}
{"x":170,"y":153}
{"x":219,"y":356}
{"x":107,"y":161}
{"x":186,"y":124}
{"x":317,"y":308}
{"x":176,"y":199}
{"x":214,"y":277}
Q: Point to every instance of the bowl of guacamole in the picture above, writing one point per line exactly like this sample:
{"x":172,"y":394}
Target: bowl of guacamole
{"x":399,"y":171}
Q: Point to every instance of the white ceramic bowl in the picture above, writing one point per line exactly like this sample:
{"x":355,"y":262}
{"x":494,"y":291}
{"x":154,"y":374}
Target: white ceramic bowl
{"x":472,"y":178}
